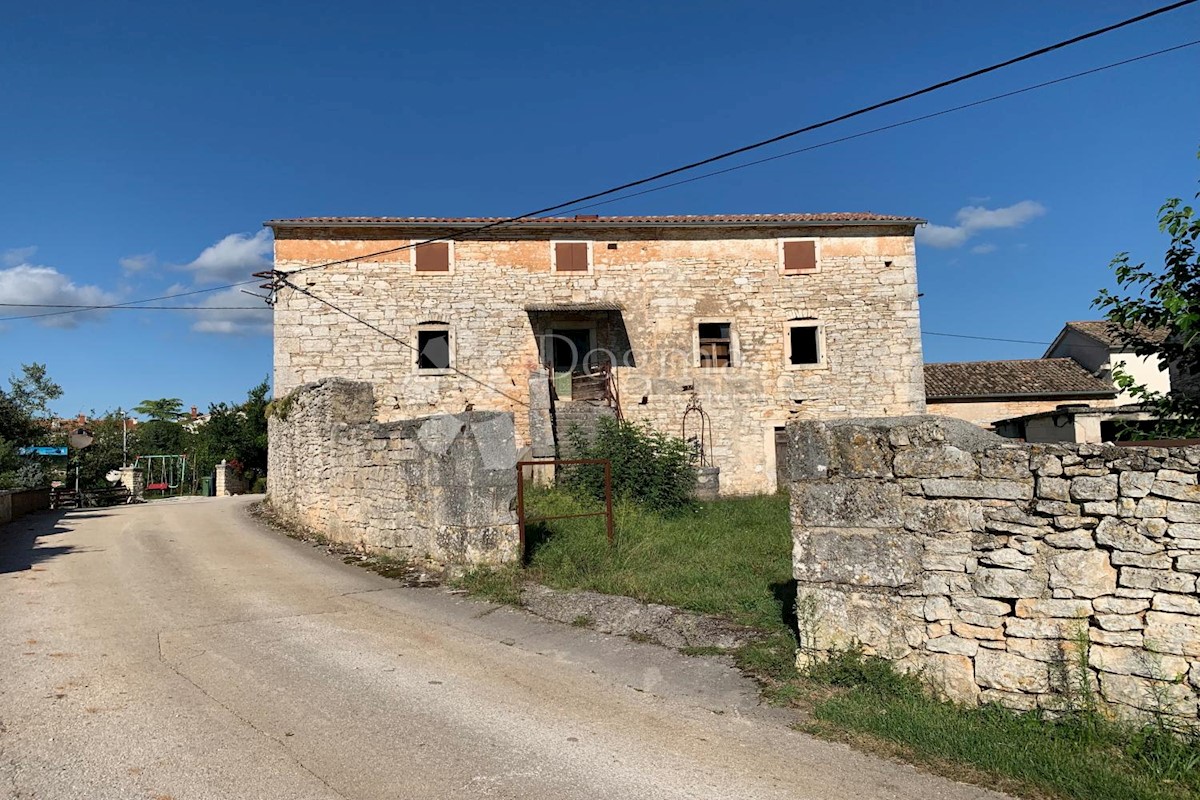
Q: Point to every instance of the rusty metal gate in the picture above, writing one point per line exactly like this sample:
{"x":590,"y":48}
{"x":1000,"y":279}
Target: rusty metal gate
{"x":607,"y":513}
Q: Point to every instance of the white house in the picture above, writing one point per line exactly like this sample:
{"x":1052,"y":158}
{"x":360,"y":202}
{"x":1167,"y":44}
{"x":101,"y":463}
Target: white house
{"x":1097,"y":347}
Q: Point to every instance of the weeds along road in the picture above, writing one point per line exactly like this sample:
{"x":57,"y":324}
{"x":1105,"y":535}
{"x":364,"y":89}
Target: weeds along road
{"x":182,"y":650}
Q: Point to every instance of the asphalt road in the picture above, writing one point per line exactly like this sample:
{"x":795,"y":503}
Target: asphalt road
{"x":181,"y":650}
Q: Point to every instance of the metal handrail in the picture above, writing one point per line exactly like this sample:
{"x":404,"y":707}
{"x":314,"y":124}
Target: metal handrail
{"x":607,"y":513}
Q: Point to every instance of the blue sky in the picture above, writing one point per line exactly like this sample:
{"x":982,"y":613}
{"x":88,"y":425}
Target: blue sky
{"x":145,"y":143}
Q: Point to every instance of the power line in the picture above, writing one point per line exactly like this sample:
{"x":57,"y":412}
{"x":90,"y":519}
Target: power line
{"x":400,"y":341}
{"x":983,"y":338}
{"x":883,"y":128}
{"x":76,"y":310}
{"x":775,"y":139}
{"x":128,"y":308}
{"x":901,"y":98}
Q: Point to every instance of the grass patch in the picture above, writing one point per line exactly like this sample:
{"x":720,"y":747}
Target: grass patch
{"x":501,"y":585}
{"x":729,"y":558}
{"x":1081,"y":755}
{"x":700,"y":652}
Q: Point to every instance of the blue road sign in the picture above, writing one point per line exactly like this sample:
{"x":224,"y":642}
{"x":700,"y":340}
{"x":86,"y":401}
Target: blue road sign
{"x":42,"y":451}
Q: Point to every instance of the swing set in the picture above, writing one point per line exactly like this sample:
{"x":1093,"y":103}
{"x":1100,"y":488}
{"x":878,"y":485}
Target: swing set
{"x":163,"y":473}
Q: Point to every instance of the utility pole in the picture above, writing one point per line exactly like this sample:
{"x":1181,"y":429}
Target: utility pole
{"x":124,"y":438}
{"x":79,"y":439}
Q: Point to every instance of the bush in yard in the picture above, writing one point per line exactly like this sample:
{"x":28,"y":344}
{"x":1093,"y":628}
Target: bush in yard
{"x":649,"y":468}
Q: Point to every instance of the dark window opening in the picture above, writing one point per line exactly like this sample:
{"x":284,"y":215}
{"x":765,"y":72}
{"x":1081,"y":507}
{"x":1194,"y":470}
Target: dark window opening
{"x":804,"y":345}
{"x":433,"y":257}
{"x":433,"y":349}
{"x":799,"y":256}
{"x":714,"y":344}
{"x":571,"y":257}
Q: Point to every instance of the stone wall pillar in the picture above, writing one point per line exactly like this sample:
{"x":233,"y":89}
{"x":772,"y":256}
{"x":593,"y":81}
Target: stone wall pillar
{"x":133,"y":479}
{"x":541,"y":428}
{"x":228,"y":481}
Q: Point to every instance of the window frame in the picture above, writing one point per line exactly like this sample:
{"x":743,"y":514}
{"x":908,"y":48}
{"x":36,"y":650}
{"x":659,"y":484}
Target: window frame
{"x":436,"y":327}
{"x":816,"y":241}
{"x":554,"y":257}
{"x":449,"y":259}
{"x":822,"y":361}
{"x":734,"y":345}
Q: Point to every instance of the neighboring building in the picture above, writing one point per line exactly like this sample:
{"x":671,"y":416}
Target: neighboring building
{"x":983,"y":392}
{"x":1080,"y":424}
{"x":764,"y":318}
{"x":194,"y":420}
{"x":1098,"y":348}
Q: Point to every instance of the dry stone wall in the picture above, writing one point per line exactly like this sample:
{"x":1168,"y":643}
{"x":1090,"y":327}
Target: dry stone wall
{"x":864,"y":297}
{"x":440,"y":487}
{"x":1002,"y":571}
{"x":16,"y":503}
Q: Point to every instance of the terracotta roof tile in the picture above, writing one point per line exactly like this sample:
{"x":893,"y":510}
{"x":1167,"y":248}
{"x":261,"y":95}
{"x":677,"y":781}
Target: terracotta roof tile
{"x":594,"y":220}
{"x":1109,"y":334}
{"x":1035,"y":377}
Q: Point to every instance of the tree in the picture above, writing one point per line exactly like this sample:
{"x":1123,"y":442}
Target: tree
{"x":27,"y":399}
{"x":34,"y":390}
{"x":1151,"y":304}
{"x":165,"y":409}
{"x":237,"y":434}
{"x":105,"y":452}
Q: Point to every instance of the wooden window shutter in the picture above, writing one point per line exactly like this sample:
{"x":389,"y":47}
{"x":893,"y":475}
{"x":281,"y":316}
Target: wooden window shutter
{"x":799,"y":256}
{"x":433,"y":257}
{"x":570,"y":257}
{"x":715,"y":344}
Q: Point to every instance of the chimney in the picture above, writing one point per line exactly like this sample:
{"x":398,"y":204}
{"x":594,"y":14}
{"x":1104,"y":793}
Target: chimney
{"x":194,"y":414}
{"x":81,"y":419}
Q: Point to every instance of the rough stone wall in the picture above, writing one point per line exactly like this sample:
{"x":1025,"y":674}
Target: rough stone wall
{"x":438,"y":487}
{"x":987,"y":413}
{"x":666,"y":280}
{"x":986,"y":564}
{"x":16,"y":503}
{"x":584,"y":414}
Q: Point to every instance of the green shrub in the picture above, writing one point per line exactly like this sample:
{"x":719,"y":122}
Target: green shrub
{"x":650,"y":468}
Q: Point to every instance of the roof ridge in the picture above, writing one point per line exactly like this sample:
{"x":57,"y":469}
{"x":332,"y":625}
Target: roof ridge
{"x":590,"y":219}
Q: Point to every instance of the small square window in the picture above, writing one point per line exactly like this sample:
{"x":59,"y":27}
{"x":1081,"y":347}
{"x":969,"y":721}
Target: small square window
{"x":433,"y":348}
{"x":804,"y":345}
{"x":798,"y":255}
{"x":715,"y":344}
{"x":432,"y":257}
{"x":572,"y":257}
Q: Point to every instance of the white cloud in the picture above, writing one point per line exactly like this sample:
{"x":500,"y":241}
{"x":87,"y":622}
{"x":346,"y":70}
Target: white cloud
{"x":973,"y":219}
{"x":239,"y":315}
{"x":138,"y":263}
{"x":29,"y":283}
{"x":17,"y":255}
{"x":233,"y":258}
{"x":983,"y":249}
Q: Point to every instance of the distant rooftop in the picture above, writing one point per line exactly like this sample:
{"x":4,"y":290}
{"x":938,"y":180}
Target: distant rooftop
{"x":593,"y":220}
{"x":1034,"y":377}
{"x":1109,"y":334}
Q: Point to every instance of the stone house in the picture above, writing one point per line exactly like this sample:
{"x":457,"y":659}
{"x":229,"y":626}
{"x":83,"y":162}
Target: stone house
{"x":762,"y":318}
{"x":985,"y":392}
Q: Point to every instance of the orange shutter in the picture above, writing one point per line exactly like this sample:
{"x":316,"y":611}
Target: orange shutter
{"x":570,"y":257}
{"x":433,"y":257}
{"x":799,"y":256}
